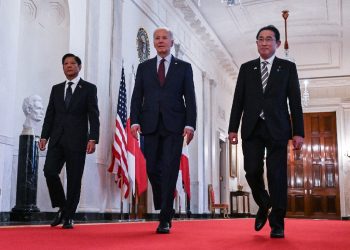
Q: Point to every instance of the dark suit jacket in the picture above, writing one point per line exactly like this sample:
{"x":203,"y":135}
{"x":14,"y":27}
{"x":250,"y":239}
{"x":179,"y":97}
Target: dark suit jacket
{"x":249,"y":98}
{"x":82,"y":111}
{"x":176,"y":98}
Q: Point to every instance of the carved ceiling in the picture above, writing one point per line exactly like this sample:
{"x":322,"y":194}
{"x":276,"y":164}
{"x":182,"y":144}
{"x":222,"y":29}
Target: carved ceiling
{"x":318,"y":32}
{"x":45,"y":13}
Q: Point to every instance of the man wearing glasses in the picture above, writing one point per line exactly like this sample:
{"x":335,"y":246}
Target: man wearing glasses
{"x":264,"y":86}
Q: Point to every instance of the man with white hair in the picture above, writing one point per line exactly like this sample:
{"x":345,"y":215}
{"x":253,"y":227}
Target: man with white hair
{"x":163,"y":110}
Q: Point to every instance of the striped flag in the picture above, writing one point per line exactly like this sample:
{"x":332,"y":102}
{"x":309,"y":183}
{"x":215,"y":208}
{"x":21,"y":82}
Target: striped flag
{"x":185,"y":168}
{"x":184,"y":173}
{"x":136,"y":163}
{"x":136,"y":159}
{"x":119,"y":165}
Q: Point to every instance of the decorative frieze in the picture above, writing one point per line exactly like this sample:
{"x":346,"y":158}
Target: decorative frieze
{"x":202,"y":29}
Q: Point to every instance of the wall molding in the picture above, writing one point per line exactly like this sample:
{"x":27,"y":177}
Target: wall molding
{"x":6,"y":140}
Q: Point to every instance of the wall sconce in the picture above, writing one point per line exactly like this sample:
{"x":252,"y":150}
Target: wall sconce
{"x":347,"y":154}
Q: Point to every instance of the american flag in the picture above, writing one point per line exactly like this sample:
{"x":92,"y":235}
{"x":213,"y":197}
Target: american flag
{"x":119,"y":164}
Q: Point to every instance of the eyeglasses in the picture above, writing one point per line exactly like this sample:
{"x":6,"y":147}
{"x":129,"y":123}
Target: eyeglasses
{"x":267,"y":40}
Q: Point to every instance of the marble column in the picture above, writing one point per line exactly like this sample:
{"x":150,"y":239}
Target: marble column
{"x":114,"y":197}
{"x":27,"y":180}
{"x":207,"y":139}
{"x":185,"y":202}
{"x":215,"y":139}
{"x":89,"y":199}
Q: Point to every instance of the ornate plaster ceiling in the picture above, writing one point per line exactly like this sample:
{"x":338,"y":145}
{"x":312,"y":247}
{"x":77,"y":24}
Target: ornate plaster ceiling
{"x":318,"y":32}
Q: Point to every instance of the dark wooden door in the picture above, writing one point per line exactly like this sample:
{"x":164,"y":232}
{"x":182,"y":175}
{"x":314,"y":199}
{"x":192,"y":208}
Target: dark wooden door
{"x":313,"y":181}
{"x":298,"y":197}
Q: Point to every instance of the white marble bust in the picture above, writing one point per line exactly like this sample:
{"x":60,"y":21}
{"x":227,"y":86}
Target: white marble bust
{"x":33,"y":110}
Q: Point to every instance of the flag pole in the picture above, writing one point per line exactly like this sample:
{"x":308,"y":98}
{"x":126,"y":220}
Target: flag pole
{"x":130,"y":197}
{"x":179,"y":206}
{"x":136,"y":203}
{"x":186,"y":197}
{"x":121,"y":197}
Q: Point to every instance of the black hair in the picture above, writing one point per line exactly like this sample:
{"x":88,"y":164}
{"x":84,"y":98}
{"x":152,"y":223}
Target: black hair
{"x":77,"y":59}
{"x":273,"y":29}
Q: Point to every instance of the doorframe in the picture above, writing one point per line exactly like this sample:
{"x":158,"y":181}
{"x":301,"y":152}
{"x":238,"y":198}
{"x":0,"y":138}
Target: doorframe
{"x":221,"y":136}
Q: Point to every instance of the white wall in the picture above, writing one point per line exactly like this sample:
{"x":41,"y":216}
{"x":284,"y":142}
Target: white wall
{"x":101,"y":33}
{"x":43,"y":40}
{"x":9,"y":14}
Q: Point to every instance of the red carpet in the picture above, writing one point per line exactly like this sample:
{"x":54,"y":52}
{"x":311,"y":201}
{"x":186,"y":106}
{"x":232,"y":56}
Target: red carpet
{"x":197,"y":234}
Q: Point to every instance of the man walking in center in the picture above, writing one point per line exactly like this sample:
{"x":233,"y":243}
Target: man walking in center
{"x":264,"y":86}
{"x":71,"y":126}
{"x":163,"y":109}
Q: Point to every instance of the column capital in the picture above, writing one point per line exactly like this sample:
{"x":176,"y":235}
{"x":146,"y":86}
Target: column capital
{"x":205,"y":75}
{"x":179,"y":50}
{"x":212,"y":83}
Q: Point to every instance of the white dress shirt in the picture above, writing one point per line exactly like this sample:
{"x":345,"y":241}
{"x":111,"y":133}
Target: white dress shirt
{"x":166,"y":62}
{"x":269,"y":65}
{"x":74,"y":85}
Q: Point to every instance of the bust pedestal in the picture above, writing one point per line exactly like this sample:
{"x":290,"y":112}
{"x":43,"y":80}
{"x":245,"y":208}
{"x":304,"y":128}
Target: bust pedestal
{"x":27,"y":181}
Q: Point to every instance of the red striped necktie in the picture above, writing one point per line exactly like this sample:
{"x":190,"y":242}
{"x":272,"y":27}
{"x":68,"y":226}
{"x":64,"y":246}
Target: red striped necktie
{"x":161,"y":72}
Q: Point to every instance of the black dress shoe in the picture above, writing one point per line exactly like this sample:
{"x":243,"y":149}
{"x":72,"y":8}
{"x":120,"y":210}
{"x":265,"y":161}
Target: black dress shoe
{"x":163,"y":227}
{"x":277,"y":233}
{"x":260,"y":220}
{"x":68,"y":224}
{"x":58,"y":218}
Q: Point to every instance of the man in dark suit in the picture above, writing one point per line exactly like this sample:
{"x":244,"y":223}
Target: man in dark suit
{"x":71,"y":111}
{"x":163,"y":107}
{"x":264,"y":86}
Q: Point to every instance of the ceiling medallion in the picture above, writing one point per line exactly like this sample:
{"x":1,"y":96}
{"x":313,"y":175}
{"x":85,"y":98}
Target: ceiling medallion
{"x":228,"y":2}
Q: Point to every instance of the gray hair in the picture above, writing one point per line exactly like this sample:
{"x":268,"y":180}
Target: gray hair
{"x":29,"y":102}
{"x":164,"y":28}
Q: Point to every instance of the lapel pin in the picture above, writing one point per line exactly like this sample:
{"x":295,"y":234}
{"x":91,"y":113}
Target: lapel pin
{"x":255,"y":68}
{"x":80,"y":86}
{"x":175,"y":63}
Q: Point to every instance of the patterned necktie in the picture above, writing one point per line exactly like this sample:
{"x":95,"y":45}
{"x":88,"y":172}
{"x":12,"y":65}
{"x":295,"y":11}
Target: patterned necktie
{"x":161,"y":72}
{"x":264,"y":77}
{"x":68,"y":94}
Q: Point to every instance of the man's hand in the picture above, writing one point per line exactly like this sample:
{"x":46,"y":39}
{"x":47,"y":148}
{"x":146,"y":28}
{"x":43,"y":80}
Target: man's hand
{"x":189,"y":133}
{"x":134,"y":131}
{"x":91,"y":147}
{"x":297,"y":142}
{"x":42,"y":144}
{"x":232,"y":137}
